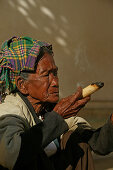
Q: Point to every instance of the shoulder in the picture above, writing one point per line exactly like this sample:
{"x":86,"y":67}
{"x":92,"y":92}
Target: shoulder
{"x":13,"y":104}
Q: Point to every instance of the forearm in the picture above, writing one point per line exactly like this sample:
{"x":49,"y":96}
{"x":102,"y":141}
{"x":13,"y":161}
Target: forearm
{"x":37,"y":137}
{"x":10,"y":141}
{"x":53,"y":126}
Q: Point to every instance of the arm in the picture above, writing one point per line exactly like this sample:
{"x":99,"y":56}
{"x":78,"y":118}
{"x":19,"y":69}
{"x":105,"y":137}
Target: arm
{"x":53,"y":126}
{"x":10,"y":128}
{"x":18,"y":140}
{"x":36,"y":138}
{"x":101,"y":141}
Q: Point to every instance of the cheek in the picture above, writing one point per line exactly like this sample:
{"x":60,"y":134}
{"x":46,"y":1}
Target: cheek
{"x":39,"y":90}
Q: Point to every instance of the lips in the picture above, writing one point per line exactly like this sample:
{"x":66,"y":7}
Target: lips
{"x":54,"y":91}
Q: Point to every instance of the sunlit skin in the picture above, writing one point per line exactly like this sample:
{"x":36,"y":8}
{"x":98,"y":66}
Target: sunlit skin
{"x":42,"y":86}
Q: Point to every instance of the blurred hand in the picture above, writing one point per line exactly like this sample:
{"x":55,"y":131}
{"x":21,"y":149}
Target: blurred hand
{"x":111,"y":118}
{"x":70,"y":105}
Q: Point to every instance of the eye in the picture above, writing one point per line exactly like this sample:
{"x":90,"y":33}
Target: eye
{"x":55,"y":72}
{"x":46,"y":75}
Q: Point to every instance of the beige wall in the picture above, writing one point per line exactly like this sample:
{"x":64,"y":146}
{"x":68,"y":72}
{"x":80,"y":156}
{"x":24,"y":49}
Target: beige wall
{"x":81,"y":33}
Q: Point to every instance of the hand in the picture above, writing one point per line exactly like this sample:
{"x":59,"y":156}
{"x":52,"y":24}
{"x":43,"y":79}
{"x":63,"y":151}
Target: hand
{"x":111,"y":118}
{"x":70,"y":105}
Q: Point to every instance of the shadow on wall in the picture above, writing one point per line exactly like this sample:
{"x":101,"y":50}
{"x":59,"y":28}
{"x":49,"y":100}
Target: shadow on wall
{"x":82,"y":36}
{"x":39,"y":15}
{"x":38,"y":19}
{"x":80,"y":31}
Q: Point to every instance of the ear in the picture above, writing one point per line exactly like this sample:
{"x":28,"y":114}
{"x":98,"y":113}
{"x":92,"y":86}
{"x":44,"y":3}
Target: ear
{"x":21,"y":84}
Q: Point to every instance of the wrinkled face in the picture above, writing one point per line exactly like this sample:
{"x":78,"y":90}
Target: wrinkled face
{"x":43,"y":85}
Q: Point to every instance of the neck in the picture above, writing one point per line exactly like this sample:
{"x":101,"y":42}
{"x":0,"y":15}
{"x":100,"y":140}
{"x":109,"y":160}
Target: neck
{"x":37,"y":105}
{"x":41,"y":107}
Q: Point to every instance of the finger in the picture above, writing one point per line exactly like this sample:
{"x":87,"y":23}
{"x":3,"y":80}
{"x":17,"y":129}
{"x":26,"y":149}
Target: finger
{"x":82,"y":102}
{"x":87,"y":99}
{"x":78,"y":94}
{"x":73,"y":110}
{"x":79,"y":104}
{"x":70,"y":99}
{"x":62,"y":105}
{"x":71,"y":113}
{"x":66,"y":103}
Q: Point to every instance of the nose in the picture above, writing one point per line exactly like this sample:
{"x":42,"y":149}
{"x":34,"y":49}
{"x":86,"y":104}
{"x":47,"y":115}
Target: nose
{"x":54,"y":81}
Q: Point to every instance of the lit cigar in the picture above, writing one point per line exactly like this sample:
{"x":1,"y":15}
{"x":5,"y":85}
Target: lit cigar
{"x":92,"y":88}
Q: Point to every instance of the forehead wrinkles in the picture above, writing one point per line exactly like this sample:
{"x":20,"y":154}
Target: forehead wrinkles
{"x":46,"y":63}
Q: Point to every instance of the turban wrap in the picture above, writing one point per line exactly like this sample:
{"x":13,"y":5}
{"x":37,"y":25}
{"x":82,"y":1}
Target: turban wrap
{"x":18,"y":54}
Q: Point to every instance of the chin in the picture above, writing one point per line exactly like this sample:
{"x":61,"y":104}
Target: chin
{"x":54,"y":99}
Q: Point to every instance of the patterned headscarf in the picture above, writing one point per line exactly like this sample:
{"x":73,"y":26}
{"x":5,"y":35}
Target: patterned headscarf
{"x":18,"y":54}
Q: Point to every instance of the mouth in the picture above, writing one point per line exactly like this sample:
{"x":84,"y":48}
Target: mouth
{"x":54,"y":92}
{"x":57,"y":93}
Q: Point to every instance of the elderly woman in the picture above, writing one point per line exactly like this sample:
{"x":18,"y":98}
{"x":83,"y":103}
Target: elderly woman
{"x":31,"y":118}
